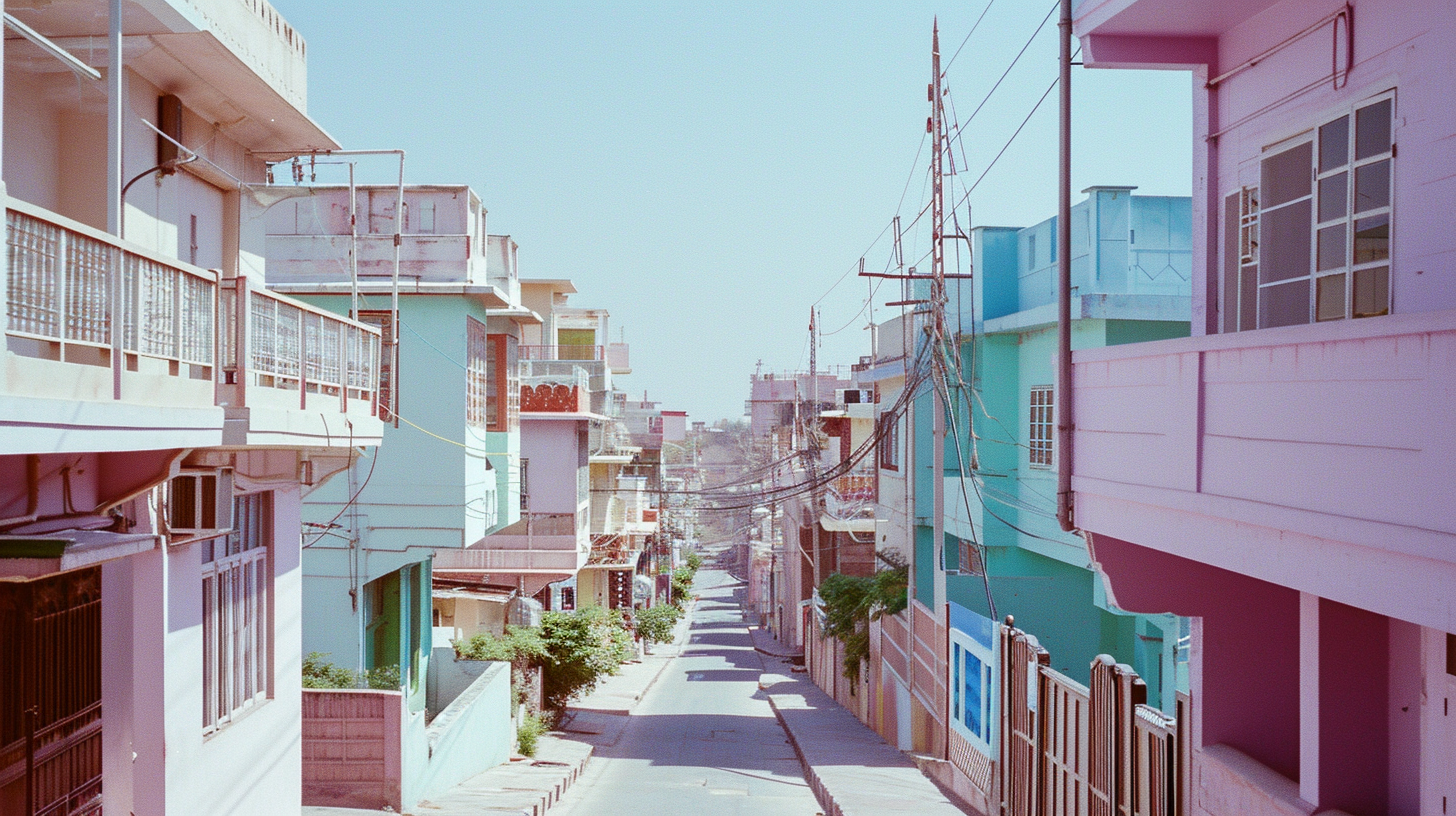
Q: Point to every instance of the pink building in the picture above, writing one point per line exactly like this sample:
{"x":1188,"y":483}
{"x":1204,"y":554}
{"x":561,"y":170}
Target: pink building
{"x":1284,"y":476}
{"x":161,"y":414}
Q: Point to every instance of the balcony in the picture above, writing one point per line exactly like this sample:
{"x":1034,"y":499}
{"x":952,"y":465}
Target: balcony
{"x":538,"y":549}
{"x":112,"y":347}
{"x":294,"y":373}
{"x":1318,"y":457}
{"x":108,"y":346}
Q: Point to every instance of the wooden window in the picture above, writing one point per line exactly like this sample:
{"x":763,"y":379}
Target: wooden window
{"x":237,"y":630}
{"x":503,"y":389}
{"x":889,"y":447}
{"x":388,"y":360}
{"x":1042,"y":425}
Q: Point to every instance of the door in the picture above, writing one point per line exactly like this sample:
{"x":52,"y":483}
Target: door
{"x":1447,"y":737}
{"x":50,"y":695}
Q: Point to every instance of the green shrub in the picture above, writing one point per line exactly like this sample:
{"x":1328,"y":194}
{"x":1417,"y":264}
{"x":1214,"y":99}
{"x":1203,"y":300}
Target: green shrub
{"x":520,"y":645}
{"x":851,"y":603}
{"x":681,"y":586}
{"x":318,"y":673}
{"x":528,"y":732}
{"x":582,"y":647}
{"x":655,"y":623}
{"x":693,"y":560}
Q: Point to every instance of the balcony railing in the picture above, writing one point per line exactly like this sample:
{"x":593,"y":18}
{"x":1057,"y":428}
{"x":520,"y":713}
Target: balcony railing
{"x":79,"y":296}
{"x":74,"y":294}
{"x":854,"y":487}
{"x":563,"y":352}
{"x":299,"y":348}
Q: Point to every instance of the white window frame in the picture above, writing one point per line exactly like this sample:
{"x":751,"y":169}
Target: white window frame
{"x":237,"y":614}
{"x":1041,"y":450}
{"x":1251,"y":217}
{"x":964,"y":649}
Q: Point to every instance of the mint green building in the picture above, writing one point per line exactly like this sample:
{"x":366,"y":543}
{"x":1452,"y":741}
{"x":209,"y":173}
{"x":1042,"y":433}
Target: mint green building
{"x":1131,"y":272}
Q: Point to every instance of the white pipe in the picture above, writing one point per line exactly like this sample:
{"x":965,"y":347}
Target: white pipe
{"x":44,"y":44}
{"x":114,"y":109}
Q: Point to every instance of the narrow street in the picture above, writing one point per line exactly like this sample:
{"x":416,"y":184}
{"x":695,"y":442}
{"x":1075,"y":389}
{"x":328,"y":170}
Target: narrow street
{"x":703,"y":739}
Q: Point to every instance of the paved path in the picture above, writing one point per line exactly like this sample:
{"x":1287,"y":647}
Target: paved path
{"x":702,"y":740}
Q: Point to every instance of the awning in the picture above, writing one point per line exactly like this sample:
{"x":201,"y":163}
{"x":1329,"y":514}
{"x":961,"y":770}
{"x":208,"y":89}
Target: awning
{"x":34,"y":556}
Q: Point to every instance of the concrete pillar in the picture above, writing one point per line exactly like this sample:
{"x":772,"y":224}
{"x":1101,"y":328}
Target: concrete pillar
{"x":1309,"y":698}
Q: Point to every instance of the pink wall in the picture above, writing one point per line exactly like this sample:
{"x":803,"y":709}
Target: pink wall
{"x":1353,"y":693}
{"x":352,"y":748}
{"x":1249,"y":692}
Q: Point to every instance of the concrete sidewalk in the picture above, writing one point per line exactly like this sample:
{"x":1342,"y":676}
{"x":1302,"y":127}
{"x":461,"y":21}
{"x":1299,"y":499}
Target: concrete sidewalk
{"x":852,"y":770}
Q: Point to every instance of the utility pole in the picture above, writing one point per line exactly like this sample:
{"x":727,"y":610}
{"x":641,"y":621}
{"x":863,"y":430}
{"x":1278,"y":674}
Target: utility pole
{"x":937,"y":316}
{"x":812,"y":441}
{"x":1063,"y":393}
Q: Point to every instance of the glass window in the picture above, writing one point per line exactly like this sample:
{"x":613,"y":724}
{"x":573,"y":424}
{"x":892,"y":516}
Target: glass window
{"x":1319,"y":248}
{"x":237,"y":642}
{"x":1039,"y":437}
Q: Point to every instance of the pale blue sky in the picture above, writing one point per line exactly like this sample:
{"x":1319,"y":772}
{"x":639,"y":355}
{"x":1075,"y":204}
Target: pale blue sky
{"x":708,"y":171}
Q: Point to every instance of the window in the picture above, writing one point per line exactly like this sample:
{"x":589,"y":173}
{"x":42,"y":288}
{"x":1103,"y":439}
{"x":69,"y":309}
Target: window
{"x":237,"y":642}
{"x":889,"y":448}
{"x":1039,"y":437}
{"x":388,"y":360}
{"x":1312,"y":241}
{"x":478,"y":386}
{"x":525,"y":484}
{"x":503,"y":390}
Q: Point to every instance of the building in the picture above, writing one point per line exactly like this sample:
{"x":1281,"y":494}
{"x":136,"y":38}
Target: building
{"x":1280,"y":477}
{"x":447,"y":475}
{"x":156,"y":441}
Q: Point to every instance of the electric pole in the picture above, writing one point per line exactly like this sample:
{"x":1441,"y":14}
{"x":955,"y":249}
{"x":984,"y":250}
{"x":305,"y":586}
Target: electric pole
{"x":937,"y":317}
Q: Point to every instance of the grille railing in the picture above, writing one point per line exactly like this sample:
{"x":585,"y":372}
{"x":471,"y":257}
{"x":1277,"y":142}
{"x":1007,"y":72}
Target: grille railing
{"x":299,"y":348}
{"x":67,"y":283}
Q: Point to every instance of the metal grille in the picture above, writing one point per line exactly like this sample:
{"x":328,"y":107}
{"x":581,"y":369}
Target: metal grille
{"x":198,"y":320}
{"x":34,"y":288}
{"x":228,"y":343}
{"x":50,"y":692}
{"x":274,"y":332}
{"x":157,"y":308}
{"x":88,"y":295}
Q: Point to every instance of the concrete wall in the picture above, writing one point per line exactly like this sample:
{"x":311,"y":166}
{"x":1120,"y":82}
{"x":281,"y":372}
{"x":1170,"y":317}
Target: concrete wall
{"x":555,"y":448}
{"x":366,"y":749}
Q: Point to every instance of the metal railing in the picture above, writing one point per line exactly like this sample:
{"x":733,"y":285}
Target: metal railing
{"x":296,"y":347}
{"x":563,"y":352}
{"x":69,"y":287}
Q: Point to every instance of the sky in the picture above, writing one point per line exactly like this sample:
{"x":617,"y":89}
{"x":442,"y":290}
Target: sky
{"x":708,"y":172}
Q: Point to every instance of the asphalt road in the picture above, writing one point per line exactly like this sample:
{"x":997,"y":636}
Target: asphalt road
{"x":702,"y":740}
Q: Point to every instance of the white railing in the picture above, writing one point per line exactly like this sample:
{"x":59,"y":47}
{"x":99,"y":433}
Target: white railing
{"x":296,"y":347}
{"x":67,"y":283}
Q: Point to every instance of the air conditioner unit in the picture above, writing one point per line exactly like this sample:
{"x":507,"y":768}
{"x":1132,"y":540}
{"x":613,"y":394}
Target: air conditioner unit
{"x":854,"y":396}
{"x":200,"y":504}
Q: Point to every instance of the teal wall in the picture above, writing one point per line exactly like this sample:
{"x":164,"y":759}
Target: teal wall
{"x":1036,"y":572}
{"x":419,"y":490}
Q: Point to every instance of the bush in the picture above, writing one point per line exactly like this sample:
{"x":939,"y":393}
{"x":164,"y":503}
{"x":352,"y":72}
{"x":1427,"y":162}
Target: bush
{"x":681,"y":586}
{"x":851,"y":603}
{"x":582,"y":647}
{"x":655,"y":623}
{"x":520,"y":645}
{"x":318,"y":673}
{"x":528,"y":732}
{"x":693,"y":560}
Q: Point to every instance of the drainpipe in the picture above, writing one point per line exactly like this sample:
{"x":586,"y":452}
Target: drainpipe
{"x":1064,"y":277}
